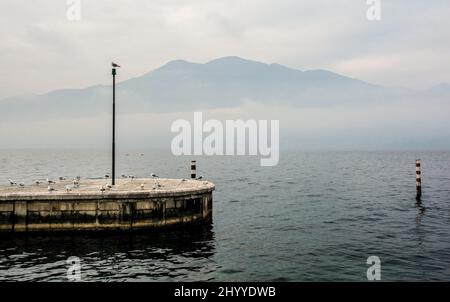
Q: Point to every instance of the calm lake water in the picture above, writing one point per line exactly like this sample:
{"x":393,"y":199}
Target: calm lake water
{"x":317,"y":216}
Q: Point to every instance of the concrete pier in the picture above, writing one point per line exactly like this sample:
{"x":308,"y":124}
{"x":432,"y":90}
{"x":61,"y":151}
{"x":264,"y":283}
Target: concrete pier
{"x":132,"y":204}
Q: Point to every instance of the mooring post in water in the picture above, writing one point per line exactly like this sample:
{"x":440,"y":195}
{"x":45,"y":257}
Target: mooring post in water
{"x":418,"y":179}
{"x":193,"y":169}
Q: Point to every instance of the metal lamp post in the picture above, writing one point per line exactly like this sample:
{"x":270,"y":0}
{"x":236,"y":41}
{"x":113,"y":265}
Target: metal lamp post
{"x":114,"y":65}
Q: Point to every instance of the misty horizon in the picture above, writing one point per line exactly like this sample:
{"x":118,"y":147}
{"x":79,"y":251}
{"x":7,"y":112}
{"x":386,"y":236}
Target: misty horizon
{"x":317,"y":109}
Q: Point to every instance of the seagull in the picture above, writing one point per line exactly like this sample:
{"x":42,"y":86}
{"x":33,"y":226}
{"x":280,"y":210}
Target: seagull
{"x":200,"y":177}
{"x":49,"y":181}
{"x":62,"y":178}
{"x":78,"y":178}
{"x":115,"y":65}
{"x":108,"y":186}
{"x":50,"y":189}
{"x":156,"y":185}
{"x":142,"y":186}
{"x":124,"y":176}
{"x":68,"y":189}
{"x":106,"y":176}
{"x":131,"y":176}
{"x":181,"y":182}
{"x":22,"y":184}
{"x":12,"y":182}
{"x":102,"y":188}
{"x":37,"y":182}
{"x":76,"y":184}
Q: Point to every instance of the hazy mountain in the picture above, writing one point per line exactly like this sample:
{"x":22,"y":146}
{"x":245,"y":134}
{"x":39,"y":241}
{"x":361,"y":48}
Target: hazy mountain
{"x":438,"y":92}
{"x":225,"y":82}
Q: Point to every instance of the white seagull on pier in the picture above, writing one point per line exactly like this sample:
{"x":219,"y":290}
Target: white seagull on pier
{"x":76,"y":183}
{"x":12,"y":182}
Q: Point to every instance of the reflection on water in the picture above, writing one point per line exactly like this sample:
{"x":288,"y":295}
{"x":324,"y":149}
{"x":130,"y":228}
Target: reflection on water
{"x":176,"y":255}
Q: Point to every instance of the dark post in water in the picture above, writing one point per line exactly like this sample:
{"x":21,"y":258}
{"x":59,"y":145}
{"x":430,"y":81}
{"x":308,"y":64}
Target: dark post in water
{"x":418,"y":180}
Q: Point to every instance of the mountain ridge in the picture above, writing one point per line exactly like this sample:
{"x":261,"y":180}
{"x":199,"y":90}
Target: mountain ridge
{"x":180,"y":85}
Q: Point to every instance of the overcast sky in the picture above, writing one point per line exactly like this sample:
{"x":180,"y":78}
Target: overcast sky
{"x":41,"y":50}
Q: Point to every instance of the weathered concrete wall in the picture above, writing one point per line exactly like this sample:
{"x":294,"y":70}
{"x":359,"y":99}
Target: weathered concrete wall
{"x":99,"y":211}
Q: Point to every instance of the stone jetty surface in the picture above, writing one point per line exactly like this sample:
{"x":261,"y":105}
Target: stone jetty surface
{"x":94,"y":205}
